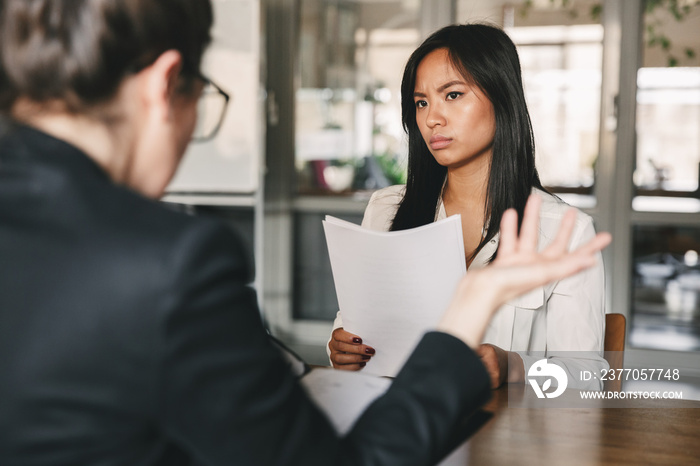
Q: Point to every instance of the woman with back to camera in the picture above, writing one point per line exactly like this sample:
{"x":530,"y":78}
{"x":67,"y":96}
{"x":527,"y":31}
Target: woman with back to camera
{"x":128,"y":334}
{"x":471,"y":152}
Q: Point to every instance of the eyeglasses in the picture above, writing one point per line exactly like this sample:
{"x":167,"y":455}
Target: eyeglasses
{"x":211,"y":109}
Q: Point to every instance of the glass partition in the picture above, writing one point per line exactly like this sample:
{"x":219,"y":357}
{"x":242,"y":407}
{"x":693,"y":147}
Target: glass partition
{"x":665,"y":312}
{"x":666,"y":288}
{"x":668,"y":110}
{"x":668,"y":137}
{"x":562,"y":77}
{"x":348,"y":108}
{"x":560,"y":46}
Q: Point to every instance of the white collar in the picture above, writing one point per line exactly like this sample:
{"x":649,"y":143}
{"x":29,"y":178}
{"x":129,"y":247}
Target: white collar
{"x":482,"y":258}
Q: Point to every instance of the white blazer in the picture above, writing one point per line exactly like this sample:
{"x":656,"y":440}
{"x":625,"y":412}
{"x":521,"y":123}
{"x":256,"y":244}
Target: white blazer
{"x":564,"y":320}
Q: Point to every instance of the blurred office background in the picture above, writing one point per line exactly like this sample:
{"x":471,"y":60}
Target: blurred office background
{"x":314,"y":127}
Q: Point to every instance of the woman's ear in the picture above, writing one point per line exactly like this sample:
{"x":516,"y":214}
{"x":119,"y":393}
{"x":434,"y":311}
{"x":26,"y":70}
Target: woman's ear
{"x":159,"y":81}
{"x":156,"y":123}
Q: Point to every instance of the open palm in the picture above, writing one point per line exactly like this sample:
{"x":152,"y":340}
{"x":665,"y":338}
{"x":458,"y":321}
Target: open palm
{"x":518,"y":268}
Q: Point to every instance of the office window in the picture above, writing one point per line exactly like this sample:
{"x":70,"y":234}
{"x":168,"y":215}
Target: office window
{"x":665,"y":310}
{"x":668,"y":114}
{"x":348,"y":105}
{"x":561,"y":67}
{"x":560,"y":48}
{"x":666,"y":288}
{"x":668,"y":131}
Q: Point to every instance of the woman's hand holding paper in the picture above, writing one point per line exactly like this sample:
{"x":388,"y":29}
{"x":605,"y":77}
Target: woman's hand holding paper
{"x":347,"y":351}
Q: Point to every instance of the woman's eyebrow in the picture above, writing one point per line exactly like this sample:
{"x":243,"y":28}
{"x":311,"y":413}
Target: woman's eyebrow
{"x":449,"y":84}
{"x":441,"y":88}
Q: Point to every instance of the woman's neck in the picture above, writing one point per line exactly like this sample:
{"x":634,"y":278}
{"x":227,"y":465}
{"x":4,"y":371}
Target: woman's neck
{"x":465,"y":194}
{"x":94,"y":138}
{"x":466,"y":185}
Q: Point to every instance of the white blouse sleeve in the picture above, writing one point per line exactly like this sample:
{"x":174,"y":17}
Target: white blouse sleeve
{"x":382,"y":208}
{"x":576,"y":320}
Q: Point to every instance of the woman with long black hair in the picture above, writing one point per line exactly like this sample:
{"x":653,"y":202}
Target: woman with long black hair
{"x":128,"y":332}
{"x":471,"y":152}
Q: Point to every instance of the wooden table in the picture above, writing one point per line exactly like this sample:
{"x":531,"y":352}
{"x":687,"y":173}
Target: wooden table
{"x":664,"y":432}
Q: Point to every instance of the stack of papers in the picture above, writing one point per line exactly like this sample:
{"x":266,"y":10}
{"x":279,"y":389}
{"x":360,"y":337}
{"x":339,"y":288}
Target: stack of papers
{"x":392,"y":287}
{"x":344,"y":396}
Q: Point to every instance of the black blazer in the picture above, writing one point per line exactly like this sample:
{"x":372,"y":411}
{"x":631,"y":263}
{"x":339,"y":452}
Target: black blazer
{"x":129,"y":336}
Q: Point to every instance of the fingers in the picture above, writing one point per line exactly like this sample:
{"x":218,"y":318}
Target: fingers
{"x":584,"y":256}
{"x":347,"y":351}
{"x":529,"y":229}
{"x":490,"y":361}
{"x":560,"y":269}
{"x":341,"y":335}
{"x":509,"y":233}
{"x":597,"y":244}
{"x":561,"y":241}
{"x":351,"y":348}
{"x":351,"y":362}
{"x":346,"y":342}
{"x":342,"y":359}
{"x":560,"y":244}
{"x":568,"y":264}
{"x":349,"y":367}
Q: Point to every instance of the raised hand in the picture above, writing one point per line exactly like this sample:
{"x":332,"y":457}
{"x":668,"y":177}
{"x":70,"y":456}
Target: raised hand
{"x":518,"y":268}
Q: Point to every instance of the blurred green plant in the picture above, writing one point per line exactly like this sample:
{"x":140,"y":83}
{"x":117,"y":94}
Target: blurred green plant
{"x":391,"y":166}
{"x":654,"y":35}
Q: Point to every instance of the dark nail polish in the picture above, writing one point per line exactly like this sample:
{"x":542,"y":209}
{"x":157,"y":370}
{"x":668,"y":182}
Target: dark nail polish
{"x":363,"y":364}
{"x":369,"y":350}
{"x":366,"y":357}
{"x":357,"y":340}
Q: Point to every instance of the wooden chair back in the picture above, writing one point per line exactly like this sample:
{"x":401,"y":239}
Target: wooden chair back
{"x":614,"y":346}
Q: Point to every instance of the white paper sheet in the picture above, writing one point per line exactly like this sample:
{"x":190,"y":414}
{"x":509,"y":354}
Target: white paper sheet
{"x":343,"y":396}
{"x":394,"y":286}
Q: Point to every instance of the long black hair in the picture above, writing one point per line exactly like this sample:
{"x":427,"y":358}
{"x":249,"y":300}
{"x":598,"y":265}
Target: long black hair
{"x":485,"y":56}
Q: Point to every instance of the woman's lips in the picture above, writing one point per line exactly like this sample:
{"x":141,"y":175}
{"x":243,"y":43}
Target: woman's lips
{"x":439,"y":142}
